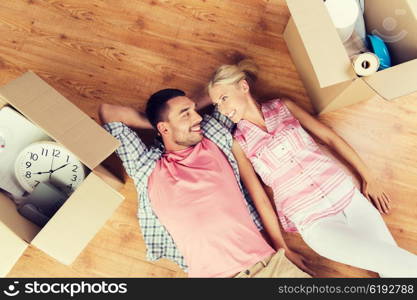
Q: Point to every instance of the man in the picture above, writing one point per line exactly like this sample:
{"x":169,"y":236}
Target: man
{"x":192,"y":206}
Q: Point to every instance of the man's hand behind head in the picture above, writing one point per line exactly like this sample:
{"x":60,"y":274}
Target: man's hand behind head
{"x":125,"y":114}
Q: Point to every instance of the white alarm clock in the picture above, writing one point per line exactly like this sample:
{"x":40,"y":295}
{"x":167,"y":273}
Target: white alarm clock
{"x":49,"y":161}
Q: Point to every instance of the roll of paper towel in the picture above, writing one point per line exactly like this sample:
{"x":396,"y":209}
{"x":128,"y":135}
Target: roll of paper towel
{"x":365,"y":64}
{"x":344,"y":14}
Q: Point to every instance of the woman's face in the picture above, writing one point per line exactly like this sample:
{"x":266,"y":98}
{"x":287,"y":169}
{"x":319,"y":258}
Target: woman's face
{"x":231,"y":99}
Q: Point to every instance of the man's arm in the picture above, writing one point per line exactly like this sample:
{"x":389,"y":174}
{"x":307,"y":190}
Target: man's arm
{"x":116,"y":120}
{"x":127,"y":115}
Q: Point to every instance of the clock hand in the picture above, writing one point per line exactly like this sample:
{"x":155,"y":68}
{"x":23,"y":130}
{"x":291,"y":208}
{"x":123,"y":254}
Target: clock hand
{"x":59,"y":168}
{"x":50,"y":171}
{"x":42,"y":172}
{"x":52,"y":163}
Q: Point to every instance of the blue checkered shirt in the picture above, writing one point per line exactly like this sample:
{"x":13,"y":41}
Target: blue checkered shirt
{"x":139,"y":162}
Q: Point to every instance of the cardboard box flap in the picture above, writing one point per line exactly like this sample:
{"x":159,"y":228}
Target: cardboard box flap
{"x":396,"y":23}
{"x":12,"y":248}
{"x":413,"y":6}
{"x":61,"y":119}
{"x":78,"y":220}
{"x":19,"y":225}
{"x":327,"y":54}
{"x":396,"y":81}
{"x":3,"y":102}
{"x":15,"y":234}
{"x":356,"y":92}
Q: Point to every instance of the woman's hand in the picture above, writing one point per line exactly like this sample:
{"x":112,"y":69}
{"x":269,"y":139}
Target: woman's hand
{"x":372,"y":190}
{"x":299,"y":260}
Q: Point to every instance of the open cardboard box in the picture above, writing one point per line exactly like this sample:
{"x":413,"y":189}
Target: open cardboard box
{"x":91,"y":204}
{"x":323,"y":63}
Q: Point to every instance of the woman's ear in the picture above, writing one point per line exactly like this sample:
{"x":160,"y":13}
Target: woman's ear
{"x":244,"y":86}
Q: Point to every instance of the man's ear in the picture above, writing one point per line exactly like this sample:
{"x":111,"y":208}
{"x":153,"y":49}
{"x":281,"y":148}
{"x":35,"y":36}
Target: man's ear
{"x":244,"y":86}
{"x":162,"y":128}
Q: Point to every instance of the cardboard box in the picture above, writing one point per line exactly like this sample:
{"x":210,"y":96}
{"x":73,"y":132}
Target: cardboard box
{"x":323,"y":63}
{"x":91,"y":204}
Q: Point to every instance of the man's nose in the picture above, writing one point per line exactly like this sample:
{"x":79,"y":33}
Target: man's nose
{"x":197,"y":118}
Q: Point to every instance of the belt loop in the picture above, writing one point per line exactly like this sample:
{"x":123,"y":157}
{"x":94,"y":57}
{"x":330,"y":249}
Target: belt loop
{"x":265,"y":261}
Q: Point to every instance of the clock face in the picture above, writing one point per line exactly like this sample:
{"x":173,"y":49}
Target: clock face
{"x":49,"y":161}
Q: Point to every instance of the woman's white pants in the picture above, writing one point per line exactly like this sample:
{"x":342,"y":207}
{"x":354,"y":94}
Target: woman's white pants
{"x":358,"y":236}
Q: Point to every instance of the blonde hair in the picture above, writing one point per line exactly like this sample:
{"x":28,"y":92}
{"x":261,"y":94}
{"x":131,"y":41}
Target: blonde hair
{"x":232,"y":74}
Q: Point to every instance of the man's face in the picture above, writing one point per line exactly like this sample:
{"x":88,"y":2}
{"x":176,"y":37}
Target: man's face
{"x":182,"y":125}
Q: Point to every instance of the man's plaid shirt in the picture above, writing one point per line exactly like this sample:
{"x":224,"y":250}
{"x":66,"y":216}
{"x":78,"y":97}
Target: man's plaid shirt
{"x":139,"y":162}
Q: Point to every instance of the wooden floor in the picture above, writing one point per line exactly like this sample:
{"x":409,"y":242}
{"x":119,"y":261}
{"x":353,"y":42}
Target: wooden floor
{"x":121,"y":51}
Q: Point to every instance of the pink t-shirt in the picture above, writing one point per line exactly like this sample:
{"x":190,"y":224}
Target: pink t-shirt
{"x":196,"y":197}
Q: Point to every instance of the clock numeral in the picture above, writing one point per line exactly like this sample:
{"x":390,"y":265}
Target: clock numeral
{"x":75,"y":168}
{"x":33,"y":156}
{"x":69,"y":186}
{"x":37,"y":182}
{"x":67,"y":158}
{"x":28,"y":174}
{"x":44,"y":152}
{"x":56,"y":153}
{"x":28,"y":164}
{"x":74,"y":178}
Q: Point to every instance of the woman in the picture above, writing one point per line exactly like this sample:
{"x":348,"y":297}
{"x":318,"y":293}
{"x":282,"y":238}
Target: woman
{"x":312,"y":195}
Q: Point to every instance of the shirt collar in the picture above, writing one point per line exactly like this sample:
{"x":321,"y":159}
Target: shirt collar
{"x":245,"y":124}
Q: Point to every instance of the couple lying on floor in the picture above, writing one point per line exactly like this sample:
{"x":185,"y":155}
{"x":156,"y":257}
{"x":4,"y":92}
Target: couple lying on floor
{"x":194,"y":209}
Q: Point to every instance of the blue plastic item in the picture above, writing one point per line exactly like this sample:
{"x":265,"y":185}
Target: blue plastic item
{"x":378,"y":46}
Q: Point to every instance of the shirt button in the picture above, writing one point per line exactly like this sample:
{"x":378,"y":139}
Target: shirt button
{"x":247,"y":272}
{"x":322,"y":197}
{"x":292,"y":161}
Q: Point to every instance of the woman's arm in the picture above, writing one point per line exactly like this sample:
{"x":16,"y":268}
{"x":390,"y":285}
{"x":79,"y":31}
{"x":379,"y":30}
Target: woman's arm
{"x":264,"y":207}
{"x":125,"y":114}
{"x":370,"y":186}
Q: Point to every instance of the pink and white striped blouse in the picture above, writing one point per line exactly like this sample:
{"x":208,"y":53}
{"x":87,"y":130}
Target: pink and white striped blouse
{"x":307,"y":184}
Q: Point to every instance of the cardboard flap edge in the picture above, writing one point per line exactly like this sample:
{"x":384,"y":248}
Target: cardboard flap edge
{"x":16,"y":93}
{"x":90,"y":206}
{"x":322,"y":42}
